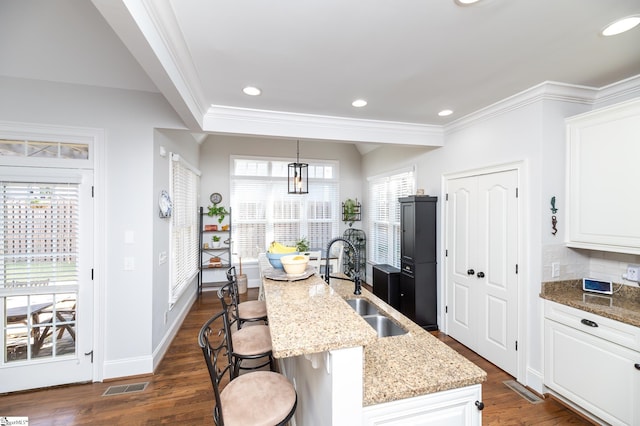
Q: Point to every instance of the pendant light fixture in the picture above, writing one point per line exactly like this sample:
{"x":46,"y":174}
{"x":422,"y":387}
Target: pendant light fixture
{"x":298,"y":175}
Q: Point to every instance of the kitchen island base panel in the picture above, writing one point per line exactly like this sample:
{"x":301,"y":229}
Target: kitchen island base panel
{"x":447,"y":408}
{"x":329,"y":386}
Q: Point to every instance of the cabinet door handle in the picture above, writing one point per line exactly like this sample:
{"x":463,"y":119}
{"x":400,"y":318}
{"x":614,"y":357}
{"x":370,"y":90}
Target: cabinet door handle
{"x":480,"y":274}
{"x":637,"y":366}
{"x":470,"y":272}
{"x":589,"y":323}
{"x":480,"y":405}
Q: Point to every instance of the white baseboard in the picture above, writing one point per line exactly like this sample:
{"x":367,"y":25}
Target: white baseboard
{"x":535,"y":381}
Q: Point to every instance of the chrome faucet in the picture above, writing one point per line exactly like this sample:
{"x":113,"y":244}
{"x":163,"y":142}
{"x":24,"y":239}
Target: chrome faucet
{"x":356,"y":270}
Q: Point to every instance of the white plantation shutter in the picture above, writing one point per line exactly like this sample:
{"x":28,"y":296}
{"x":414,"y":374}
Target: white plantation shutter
{"x":184,"y":226}
{"x":263,"y":211}
{"x":384,"y":215}
{"x":39,"y":234}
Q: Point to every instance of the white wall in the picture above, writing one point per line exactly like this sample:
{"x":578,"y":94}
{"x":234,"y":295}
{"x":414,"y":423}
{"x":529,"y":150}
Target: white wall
{"x":182,"y":143}
{"x":128,"y":119}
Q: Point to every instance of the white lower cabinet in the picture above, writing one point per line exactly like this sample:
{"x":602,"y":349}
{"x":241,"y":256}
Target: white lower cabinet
{"x":591,"y":372}
{"x":456,"y":407}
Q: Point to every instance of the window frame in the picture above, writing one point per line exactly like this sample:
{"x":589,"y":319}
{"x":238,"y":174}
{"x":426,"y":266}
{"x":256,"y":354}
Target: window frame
{"x":396,"y":184}
{"x":299,"y":214}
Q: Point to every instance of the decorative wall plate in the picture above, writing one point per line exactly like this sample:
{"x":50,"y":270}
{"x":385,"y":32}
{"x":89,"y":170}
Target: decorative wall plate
{"x":164,"y":204}
{"x":215,"y":198}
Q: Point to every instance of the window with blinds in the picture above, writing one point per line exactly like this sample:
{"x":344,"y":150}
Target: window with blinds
{"x":184,"y":226}
{"x":263,"y":211}
{"x":39,"y":233}
{"x":384,"y":215}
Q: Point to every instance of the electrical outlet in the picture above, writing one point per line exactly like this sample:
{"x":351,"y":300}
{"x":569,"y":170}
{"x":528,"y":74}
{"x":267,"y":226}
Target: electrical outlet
{"x":555,"y":269}
{"x":633,"y":273}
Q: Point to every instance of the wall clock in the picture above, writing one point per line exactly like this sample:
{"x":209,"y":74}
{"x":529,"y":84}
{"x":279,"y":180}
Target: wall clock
{"x":164,"y":204}
{"x":215,"y":198}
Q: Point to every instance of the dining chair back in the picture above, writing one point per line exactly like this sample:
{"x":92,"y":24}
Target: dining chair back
{"x":314,"y":259}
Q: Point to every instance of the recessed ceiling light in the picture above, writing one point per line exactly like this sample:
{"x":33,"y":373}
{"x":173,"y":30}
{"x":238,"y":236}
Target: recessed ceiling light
{"x":251,"y":91}
{"x":359,"y":103}
{"x":445,"y":112}
{"x":621,"y":25}
{"x":466,"y":2}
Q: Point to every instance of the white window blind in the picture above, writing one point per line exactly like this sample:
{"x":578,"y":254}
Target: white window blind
{"x":39,"y":232}
{"x":263,"y":211}
{"x":384,"y":215}
{"x":184,"y":226}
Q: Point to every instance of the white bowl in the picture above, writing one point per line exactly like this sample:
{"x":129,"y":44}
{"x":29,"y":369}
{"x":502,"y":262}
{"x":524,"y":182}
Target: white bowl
{"x":294,"y":264}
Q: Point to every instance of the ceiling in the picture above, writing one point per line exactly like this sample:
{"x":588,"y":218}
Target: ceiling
{"x":408,"y":58}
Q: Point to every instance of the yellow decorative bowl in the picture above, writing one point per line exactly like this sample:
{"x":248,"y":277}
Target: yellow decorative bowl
{"x":294,"y":264}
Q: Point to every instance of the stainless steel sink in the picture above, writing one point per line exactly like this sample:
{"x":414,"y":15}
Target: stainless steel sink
{"x":363,"y":307}
{"x":384,"y":326}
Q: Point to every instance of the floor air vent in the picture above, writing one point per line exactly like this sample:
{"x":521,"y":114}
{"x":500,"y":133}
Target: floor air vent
{"x":523,"y":392}
{"x":118,"y":390}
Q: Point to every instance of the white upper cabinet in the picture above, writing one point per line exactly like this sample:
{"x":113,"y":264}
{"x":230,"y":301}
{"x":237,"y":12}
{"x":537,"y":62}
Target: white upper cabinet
{"x":604,"y":179}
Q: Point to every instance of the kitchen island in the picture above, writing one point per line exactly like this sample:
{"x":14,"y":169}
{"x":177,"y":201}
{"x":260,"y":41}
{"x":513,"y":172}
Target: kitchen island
{"x":345,"y":374}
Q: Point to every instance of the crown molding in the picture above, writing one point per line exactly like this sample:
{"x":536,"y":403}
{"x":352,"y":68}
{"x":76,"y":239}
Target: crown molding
{"x":225,"y":119}
{"x":623,"y":89}
{"x":548,"y":90}
{"x":554,"y":91}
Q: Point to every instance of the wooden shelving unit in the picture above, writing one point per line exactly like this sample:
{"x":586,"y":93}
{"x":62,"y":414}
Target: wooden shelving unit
{"x":213,"y":274}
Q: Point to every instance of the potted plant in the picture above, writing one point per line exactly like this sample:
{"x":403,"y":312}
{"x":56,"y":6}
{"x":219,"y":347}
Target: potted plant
{"x":216,"y":241}
{"x":302,"y":245}
{"x":350,"y":211}
{"x":221,"y":212}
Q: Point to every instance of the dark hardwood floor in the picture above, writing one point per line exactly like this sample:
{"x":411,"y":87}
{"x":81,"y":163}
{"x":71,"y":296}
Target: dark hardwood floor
{"x":180,"y":393}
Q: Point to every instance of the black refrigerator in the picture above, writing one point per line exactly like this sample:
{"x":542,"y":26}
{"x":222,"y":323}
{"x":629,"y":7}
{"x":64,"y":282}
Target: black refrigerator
{"x":418,"y":279}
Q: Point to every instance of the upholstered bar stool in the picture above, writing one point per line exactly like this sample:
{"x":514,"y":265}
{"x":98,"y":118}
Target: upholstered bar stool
{"x":250,"y":344}
{"x":260,"y":398}
{"x":249,"y":311}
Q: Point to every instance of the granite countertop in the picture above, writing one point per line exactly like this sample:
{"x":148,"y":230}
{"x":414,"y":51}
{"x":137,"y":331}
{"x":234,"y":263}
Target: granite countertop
{"x":623,"y":305}
{"x":308,"y":316}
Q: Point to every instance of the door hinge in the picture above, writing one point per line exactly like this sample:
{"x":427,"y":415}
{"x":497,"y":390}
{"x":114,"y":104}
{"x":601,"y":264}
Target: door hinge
{"x":516,"y":192}
{"x":446,"y":197}
{"x":516,"y":268}
{"x":446,"y":253}
{"x":516,"y":345}
{"x":91,"y":274}
{"x":446,"y":309}
{"x":92,"y":191}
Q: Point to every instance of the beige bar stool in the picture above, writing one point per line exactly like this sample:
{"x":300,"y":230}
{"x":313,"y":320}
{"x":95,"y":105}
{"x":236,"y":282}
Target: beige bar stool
{"x":245,"y":312}
{"x":250,"y":344}
{"x":261,"y":398}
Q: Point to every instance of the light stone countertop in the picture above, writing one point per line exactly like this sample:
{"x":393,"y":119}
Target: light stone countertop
{"x":308,"y":316}
{"x":623,"y":305}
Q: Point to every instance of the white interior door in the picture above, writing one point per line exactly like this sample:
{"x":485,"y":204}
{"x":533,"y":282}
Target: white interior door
{"x":482,"y":282}
{"x":461,"y":242}
{"x":46,"y":292}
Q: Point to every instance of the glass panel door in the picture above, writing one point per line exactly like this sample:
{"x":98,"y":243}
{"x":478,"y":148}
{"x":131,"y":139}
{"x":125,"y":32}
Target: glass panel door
{"x":43,"y":227}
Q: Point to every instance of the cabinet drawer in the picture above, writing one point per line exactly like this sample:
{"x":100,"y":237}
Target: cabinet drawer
{"x":407,"y":268}
{"x":596,"y":325}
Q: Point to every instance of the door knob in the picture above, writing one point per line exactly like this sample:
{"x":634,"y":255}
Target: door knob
{"x":470,"y":272}
{"x":480,"y":274}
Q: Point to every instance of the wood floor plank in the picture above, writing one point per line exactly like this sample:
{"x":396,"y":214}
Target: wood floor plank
{"x":180,"y":391}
